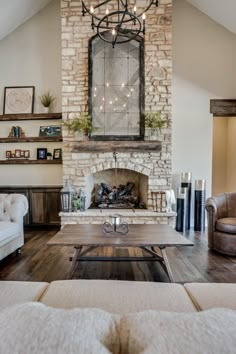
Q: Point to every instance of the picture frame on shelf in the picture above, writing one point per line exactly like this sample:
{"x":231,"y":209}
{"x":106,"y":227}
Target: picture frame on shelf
{"x":50,"y":130}
{"x":8,"y":154}
{"x":22,"y":153}
{"x":18,"y":99}
{"x":26,"y":154}
{"x":17,"y":153}
{"x":57,"y":154}
{"x":41,"y":154}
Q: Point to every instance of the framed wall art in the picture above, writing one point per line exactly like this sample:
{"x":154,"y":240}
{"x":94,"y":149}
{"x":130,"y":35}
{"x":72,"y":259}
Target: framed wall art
{"x":51,"y":130}
{"x":57,"y":154}
{"x":18,"y":99}
{"x":41,"y":154}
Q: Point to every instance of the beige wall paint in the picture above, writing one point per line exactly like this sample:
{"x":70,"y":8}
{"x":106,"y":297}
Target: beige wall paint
{"x":219,"y":155}
{"x":231,"y":155}
{"x":31,"y":55}
{"x":224,"y":156}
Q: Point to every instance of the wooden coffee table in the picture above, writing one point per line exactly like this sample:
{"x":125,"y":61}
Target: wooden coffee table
{"x":85,"y":238}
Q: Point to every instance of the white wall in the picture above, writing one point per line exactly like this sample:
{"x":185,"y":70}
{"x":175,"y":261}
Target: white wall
{"x":204,"y":57}
{"x":31,"y":56}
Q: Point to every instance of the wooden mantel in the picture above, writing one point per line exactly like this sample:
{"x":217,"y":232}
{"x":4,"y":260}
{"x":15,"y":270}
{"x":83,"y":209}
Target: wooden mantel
{"x":119,"y":146}
{"x":223,"y":108}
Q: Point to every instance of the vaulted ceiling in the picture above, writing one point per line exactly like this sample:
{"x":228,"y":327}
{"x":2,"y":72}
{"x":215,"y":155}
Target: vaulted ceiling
{"x":222,"y":12}
{"x":15,"y":12}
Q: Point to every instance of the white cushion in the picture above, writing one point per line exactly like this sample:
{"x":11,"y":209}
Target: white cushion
{"x":34,"y":328}
{"x":8,"y":231}
{"x":16,"y":292}
{"x":210,"y":295}
{"x":118,"y":296}
{"x":153,"y":332}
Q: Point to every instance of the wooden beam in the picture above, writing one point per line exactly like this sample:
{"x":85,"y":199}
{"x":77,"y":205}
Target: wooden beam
{"x":107,"y":146}
{"x":223,"y":108}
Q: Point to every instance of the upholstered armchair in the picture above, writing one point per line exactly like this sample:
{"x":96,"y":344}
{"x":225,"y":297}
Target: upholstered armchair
{"x":13,"y":207}
{"x":221,"y":214}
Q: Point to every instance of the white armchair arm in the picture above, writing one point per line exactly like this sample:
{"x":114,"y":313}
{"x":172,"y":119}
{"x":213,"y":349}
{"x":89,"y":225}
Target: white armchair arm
{"x":13,"y":207}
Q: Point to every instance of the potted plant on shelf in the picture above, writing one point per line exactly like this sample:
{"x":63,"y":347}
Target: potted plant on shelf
{"x":49,"y":156}
{"x":46,"y":99}
{"x":80,"y":125}
{"x":153,"y":125}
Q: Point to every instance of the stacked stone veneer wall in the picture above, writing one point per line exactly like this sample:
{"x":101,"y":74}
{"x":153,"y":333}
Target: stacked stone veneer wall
{"x":76,"y":31}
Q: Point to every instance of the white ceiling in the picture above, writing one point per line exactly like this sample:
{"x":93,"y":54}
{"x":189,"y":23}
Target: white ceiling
{"x":220,"y":11}
{"x":15,"y":12}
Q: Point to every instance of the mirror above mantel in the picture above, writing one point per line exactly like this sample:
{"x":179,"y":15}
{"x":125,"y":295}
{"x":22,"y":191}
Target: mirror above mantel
{"x":116,"y":89}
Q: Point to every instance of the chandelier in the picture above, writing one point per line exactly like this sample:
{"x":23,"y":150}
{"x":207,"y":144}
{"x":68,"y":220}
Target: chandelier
{"x":117,"y":21}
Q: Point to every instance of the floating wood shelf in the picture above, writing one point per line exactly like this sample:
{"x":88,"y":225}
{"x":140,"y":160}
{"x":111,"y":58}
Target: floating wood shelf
{"x":31,"y":139}
{"x":29,"y":162}
{"x":107,"y":146}
{"x":33,"y":116}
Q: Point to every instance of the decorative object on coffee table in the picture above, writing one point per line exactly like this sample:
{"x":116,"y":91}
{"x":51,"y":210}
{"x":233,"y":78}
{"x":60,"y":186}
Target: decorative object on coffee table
{"x":115,"y":226}
{"x":18,"y":99}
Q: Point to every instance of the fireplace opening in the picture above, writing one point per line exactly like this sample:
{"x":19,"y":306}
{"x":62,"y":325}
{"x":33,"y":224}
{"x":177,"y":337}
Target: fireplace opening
{"x":118,"y":189}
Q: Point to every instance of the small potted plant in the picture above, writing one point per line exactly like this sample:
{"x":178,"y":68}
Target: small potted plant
{"x":49,"y":156}
{"x":46,"y":99}
{"x":79,"y":124}
{"x":153,"y":124}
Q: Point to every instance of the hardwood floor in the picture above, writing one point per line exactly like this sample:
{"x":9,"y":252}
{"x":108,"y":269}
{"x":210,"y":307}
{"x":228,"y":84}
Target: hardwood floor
{"x":39,"y":262}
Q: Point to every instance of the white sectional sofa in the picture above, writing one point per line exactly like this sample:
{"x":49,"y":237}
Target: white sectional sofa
{"x":106,"y":316}
{"x":13,"y":207}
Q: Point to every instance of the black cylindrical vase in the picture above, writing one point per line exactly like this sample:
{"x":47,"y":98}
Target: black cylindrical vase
{"x":186,"y":183}
{"x":199,"y":205}
{"x":181,"y":221}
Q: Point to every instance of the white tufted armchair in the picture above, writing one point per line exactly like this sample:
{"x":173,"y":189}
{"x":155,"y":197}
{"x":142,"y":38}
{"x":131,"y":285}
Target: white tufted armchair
{"x":13,"y":208}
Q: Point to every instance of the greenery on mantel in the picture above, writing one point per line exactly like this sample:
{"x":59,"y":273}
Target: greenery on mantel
{"x":79,"y":123}
{"x":154,"y":121}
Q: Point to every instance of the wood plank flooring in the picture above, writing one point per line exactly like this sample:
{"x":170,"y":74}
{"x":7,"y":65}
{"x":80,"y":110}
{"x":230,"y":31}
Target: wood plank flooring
{"x":39,"y":262}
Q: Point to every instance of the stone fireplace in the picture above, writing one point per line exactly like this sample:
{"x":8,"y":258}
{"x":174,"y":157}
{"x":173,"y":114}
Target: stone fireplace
{"x":88,"y":162}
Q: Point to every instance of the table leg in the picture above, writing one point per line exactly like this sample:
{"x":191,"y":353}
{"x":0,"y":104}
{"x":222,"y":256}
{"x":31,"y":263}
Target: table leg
{"x":74,"y":261}
{"x":167,"y":264}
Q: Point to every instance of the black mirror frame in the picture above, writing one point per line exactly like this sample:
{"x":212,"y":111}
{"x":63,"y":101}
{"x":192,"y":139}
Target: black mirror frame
{"x":141,"y":94}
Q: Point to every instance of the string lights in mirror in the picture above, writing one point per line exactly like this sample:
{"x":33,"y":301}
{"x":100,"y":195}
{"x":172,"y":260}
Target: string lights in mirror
{"x":124,"y":19}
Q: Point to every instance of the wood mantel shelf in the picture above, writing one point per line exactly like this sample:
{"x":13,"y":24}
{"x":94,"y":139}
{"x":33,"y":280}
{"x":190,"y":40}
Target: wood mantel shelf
{"x":119,"y":146}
